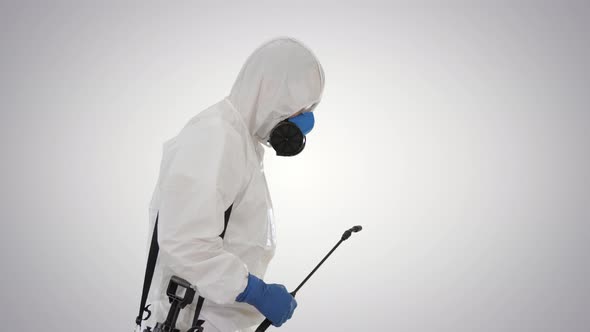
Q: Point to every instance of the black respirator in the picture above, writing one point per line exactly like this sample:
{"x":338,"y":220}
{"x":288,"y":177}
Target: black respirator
{"x":287,"y":138}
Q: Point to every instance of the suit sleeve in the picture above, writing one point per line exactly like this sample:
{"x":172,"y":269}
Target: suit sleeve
{"x":206,"y":173}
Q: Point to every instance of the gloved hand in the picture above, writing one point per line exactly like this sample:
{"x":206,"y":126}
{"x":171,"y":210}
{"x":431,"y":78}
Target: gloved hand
{"x":272,"y":300}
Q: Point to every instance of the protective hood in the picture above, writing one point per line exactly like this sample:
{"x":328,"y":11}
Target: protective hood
{"x":279,"y":79}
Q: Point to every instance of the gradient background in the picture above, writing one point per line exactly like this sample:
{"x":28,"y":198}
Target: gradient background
{"x":457,"y":135}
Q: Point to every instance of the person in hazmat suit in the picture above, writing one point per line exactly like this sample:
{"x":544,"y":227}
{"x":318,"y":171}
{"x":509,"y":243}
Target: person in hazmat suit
{"x":213,"y":170}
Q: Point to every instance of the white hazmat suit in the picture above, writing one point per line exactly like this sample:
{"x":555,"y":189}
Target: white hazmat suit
{"x":216,"y":162}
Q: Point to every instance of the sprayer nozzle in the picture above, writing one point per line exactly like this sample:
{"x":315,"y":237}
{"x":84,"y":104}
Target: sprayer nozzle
{"x":349,"y":232}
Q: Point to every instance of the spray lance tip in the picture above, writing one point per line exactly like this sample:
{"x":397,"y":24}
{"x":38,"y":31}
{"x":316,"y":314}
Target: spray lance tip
{"x":349,"y":232}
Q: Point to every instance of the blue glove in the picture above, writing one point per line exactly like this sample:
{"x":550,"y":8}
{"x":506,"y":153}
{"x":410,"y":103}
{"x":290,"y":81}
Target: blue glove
{"x":272,"y":300}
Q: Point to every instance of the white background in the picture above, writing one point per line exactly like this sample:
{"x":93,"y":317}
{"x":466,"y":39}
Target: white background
{"x":457,"y":135}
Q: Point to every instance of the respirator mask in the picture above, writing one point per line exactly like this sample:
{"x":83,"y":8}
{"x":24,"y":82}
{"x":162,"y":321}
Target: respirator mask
{"x":287,"y":138}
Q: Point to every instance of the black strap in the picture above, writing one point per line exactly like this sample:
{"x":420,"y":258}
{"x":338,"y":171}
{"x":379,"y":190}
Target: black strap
{"x":226,"y":220}
{"x":149,"y":274}
{"x":196,"y":321}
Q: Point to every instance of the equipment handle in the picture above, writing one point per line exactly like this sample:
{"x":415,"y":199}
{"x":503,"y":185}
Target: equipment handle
{"x":265,"y":325}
